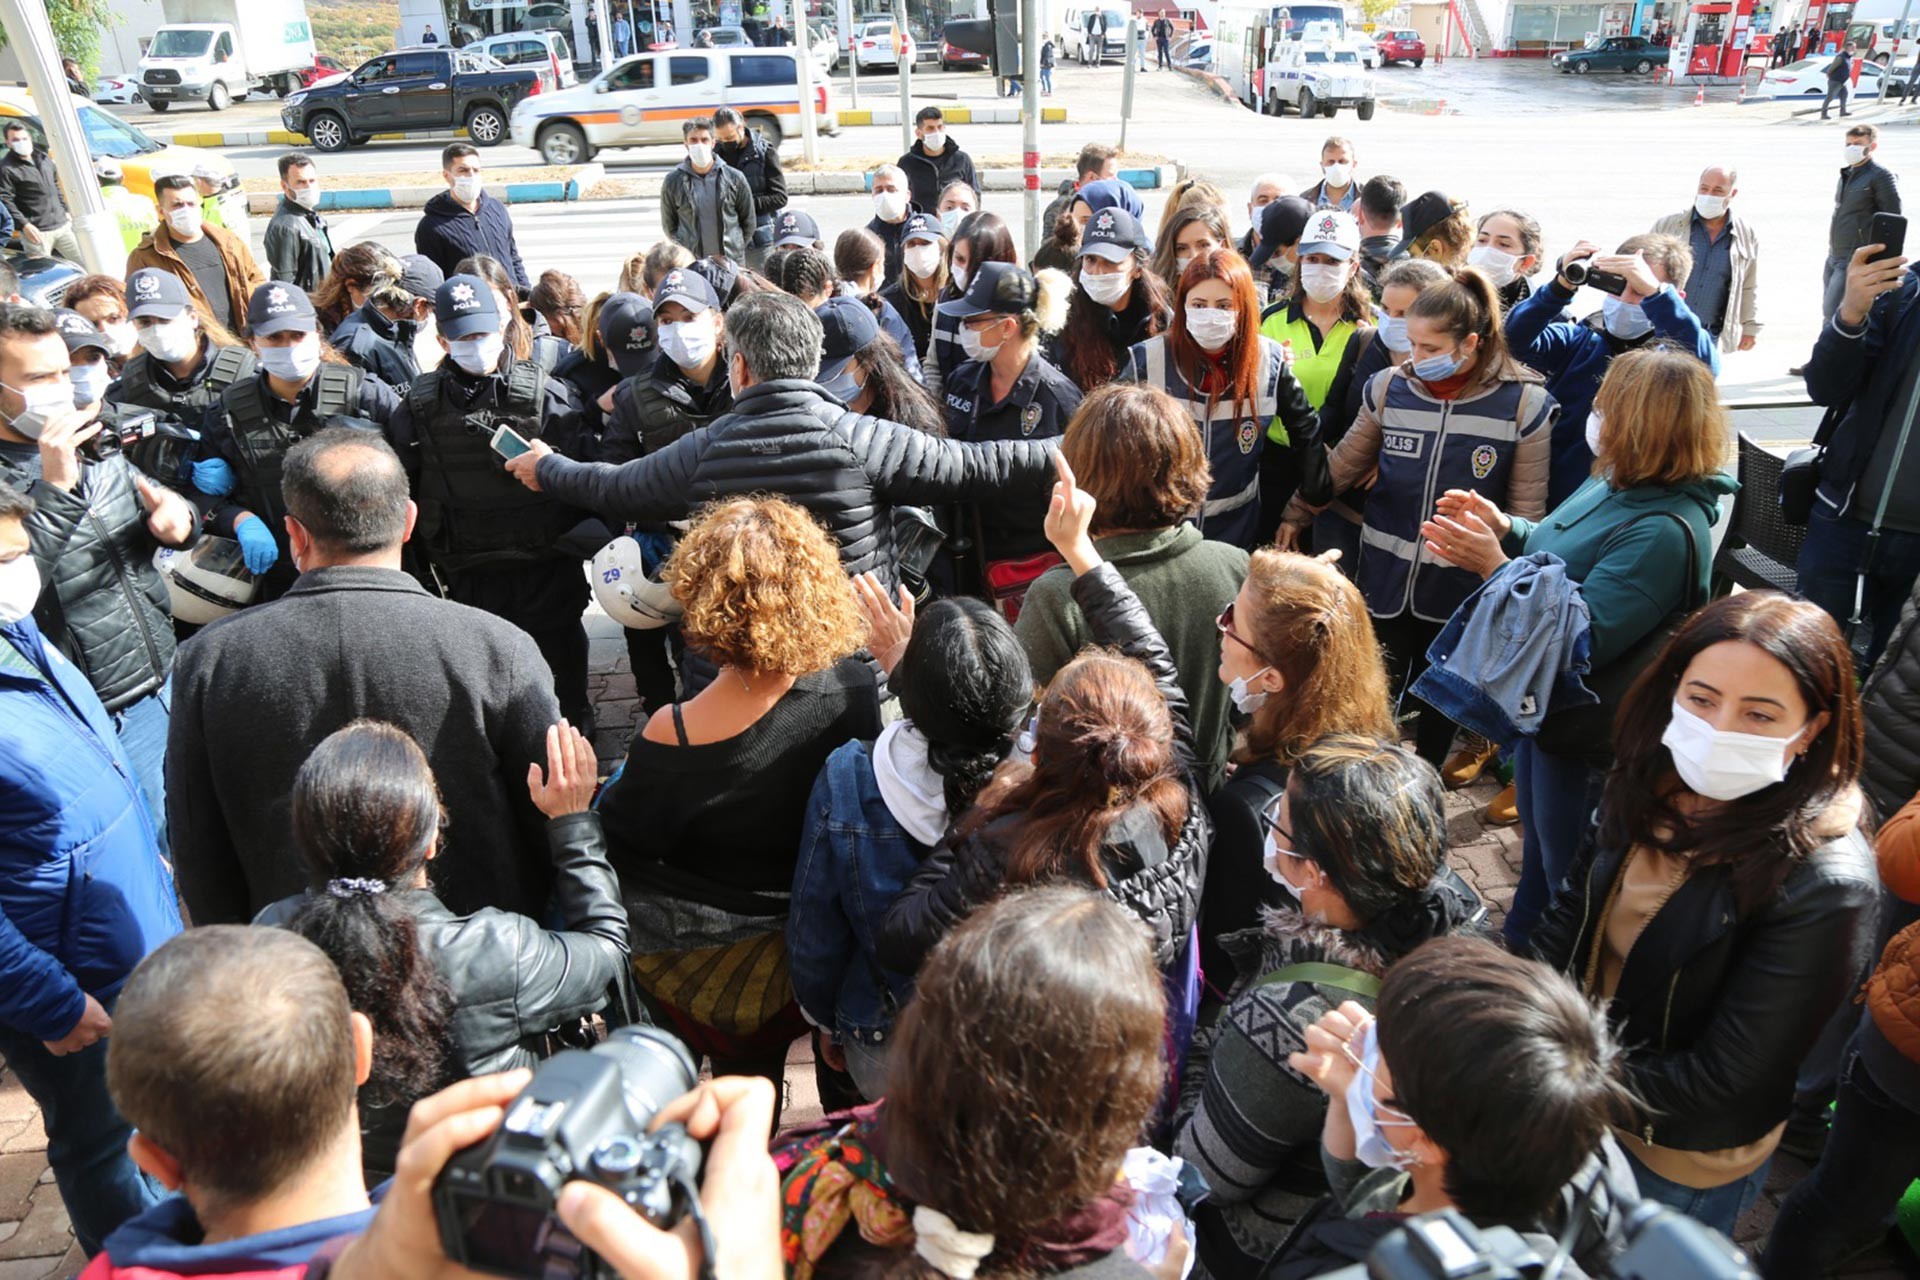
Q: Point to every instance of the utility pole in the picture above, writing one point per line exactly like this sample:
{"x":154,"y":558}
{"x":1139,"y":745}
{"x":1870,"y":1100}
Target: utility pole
{"x":1030,"y":19}
{"x":809,"y":143}
{"x":601,"y":16}
{"x":1126,"y":79}
{"x":98,"y":231}
{"x":903,"y":55}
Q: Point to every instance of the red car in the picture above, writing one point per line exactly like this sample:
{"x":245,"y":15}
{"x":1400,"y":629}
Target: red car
{"x":972,"y":35}
{"x":1403,"y":45}
{"x":322,"y":67}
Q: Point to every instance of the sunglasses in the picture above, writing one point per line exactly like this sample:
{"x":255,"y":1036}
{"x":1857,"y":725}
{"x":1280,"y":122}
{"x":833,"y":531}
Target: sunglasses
{"x":1224,"y":624}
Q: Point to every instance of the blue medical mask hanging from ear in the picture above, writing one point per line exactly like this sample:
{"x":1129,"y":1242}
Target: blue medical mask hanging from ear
{"x":1371,"y":1147}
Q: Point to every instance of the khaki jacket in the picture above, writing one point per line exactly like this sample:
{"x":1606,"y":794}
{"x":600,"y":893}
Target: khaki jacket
{"x":243,"y":273}
{"x":1743,"y":307}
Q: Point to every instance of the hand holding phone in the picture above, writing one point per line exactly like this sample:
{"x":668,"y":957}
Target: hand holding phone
{"x":1889,"y":231}
{"x":509,"y":443}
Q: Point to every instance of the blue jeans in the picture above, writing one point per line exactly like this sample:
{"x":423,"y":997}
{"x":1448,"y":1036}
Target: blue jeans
{"x":1046,"y":79}
{"x":1555,"y":796}
{"x":1829,"y":569}
{"x":1716,"y":1207}
{"x":142,"y":729}
{"x":86,"y":1136}
{"x":1833,"y":285}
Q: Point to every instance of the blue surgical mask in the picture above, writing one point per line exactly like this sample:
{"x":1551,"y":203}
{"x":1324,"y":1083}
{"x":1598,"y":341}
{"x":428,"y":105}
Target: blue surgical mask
{"x":1625,"y":320}
{"x":1438,"y":368}
{"x":89,"y":381}
{"x":1371,"y":1147}
{"x":950,"y":220}
{"x":1393,"y":332}
{"x":845,"y":388}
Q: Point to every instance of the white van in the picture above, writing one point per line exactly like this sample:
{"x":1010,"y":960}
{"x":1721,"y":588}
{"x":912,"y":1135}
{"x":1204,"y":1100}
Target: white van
{"x":546,"y":51}
{"x":643,"y":100}
{"x":1114,"y":45}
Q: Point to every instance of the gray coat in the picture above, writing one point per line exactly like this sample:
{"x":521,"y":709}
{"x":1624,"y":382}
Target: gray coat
{"x":299,"y":250}
{"x":256,"y":692}
{"x":680,"y":212}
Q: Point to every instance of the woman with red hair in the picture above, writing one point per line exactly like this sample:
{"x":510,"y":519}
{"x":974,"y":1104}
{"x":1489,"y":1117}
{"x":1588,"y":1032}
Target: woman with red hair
{"x":1236,"y":385}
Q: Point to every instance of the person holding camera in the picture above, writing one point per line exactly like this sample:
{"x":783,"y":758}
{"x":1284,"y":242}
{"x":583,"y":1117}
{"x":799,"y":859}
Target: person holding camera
{"x":235,"y":1055}
{"x":1643,"y":280}
{"x":96,"y":524}
{"x":448,"y":995}
{"x":1482,"y":1083}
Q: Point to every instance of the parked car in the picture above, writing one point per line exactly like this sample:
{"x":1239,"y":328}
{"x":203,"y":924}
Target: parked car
{"x":1317,"y":77}
{"x":548,"y":17}
{"x":875,"y":45}
{"x":408,"y":90}
{"x":1807,"y":78}
{"x":966,"y":42}
{"x":116,"y":89}
{"x":1635,"y":55}
{"x":1113,"y":45}
{"x":44,"y":281}
{"x":543,"y":50}
{"x":723,"y":38}
{"x":821,"y":35}
{"x":1401,"y":44}
{"x":641,"y":101}
{"x":322,"y":70}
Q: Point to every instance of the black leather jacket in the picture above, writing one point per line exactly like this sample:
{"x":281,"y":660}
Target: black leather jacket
{"x":761,"y":163}
{"x":1890,"y":706}
{"x":1162,"y":885}
{"x":1718,"y":1011}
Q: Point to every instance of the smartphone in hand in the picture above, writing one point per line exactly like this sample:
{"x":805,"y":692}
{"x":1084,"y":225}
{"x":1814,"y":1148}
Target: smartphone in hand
{"x":1890,"y":231}
{"x":509,"y":443}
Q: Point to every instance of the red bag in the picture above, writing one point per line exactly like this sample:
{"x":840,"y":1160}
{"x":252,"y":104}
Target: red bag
{"x":1008,"y":580}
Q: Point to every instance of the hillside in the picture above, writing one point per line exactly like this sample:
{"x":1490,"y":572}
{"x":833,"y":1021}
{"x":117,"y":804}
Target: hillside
{"x":351,"y":30}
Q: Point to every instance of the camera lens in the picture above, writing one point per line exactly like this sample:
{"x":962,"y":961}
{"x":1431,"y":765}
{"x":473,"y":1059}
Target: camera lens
{"x":1575,"y":272}
{"x":655,"y":1068}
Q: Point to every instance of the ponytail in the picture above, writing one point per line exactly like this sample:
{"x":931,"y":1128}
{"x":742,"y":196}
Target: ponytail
{"x":1466,"y":304}
{"x":1052,"y":290}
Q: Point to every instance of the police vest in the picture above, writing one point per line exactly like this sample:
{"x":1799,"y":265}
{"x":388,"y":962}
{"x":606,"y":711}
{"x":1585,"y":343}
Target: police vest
{"x":262,"y":441}
{"x":1233,"y":433}
{"x":474,"y":513}
{"x":225,"y":367}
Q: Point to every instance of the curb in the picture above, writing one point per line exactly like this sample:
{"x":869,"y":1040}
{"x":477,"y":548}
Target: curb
{"x":287,"y":138}
{"x":954,"y":115}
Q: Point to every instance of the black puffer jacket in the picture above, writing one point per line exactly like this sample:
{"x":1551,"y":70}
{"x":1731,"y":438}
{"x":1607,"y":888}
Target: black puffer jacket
{"x":1891,"y":704}
{"x":1158,"y":884}
{"x":103,"y":603}
{"x":791,"y":439}
{"x":1720,"y":1010}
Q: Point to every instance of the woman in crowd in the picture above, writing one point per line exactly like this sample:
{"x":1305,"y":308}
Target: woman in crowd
{"x":878,"y":808}
{"x":182,"y":365}
{"x":1109,"y":794}
{"x":1636,"y":539}
{"x":764,"y":598}
{"x":687,"y":386}
{"x":859,"y":258}
{"x":558,"y":299}
{"x":1357,"y":842}
{"x":869,"y":375}
{"x":355,"y":271}
{"x":923,"y":275}
{"x":1326,"y":321}
{"x":103,"y":300}
{"x":1192,"y":233}
{"x":957,"y":1175}
{"x":1063,"y":246}
{"x":978,"y":240}
{"x":1338,"y":527}
{"x":1192,"y":192}
{"x":1725,"y":905}
{"x":1435,"y":227}
{"x":1477,"y":419}
{"x":1238,"y":387}
{"x":1485,"y":1086}
{"x":380,"y":334}
{"x":519,"y":334}
{"x":958,"y":201}
{"x":1117,"y":301}
{"x":804,"y":272}
{"x":448,"y":995}
{"x":1147,"y":474}
{"x":663,"y":258}
{"x":1507,"y":246}
{"x":589,"y":368}
{"x":1299,"y":661}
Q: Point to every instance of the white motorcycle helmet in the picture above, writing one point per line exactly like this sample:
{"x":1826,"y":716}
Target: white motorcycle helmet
{"x":207,"y":583}
{"x":630,"y":596}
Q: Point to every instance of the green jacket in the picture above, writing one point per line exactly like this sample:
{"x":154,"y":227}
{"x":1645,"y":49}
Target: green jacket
{"x":1185,"y":581}
{"x":1635,"y":579}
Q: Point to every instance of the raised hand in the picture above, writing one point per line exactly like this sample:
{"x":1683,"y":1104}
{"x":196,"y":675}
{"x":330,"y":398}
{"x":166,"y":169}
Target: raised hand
{"x":572,"y":773}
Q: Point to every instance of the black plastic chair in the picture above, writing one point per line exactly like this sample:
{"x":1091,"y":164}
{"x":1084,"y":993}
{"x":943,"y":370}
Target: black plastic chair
{"x":1762,"y":549}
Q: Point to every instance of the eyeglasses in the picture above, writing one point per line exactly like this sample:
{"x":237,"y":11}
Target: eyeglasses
{"x":1224,"y":623}
{"x":1283,"y":842}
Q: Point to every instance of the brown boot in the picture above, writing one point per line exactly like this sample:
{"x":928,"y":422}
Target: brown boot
{"x":1464,"y":765}
{"x":1503,"y":810}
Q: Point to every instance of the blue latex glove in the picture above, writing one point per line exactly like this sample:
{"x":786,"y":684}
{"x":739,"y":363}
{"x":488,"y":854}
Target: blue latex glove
{"x":257,"y":545}
{"x":213,"y":477}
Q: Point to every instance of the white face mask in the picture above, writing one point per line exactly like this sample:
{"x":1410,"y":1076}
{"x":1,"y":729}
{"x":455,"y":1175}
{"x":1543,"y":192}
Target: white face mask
{"x":22,"y":146}
{"x":89,"y":382}
{"x":1371,"y":1147}
{"x":1721,"y":765}
{"x":478,"y":356}
{"x":976,"y":349}
{"x":120,"y":336}
{"x":1496,"y":262}
{"x":1625,"y":320}
{"x":1180,"y":263}
{"x":1246,"y":701}
{"x":922,"y":259}
{"x":959,"y":278}
{"x":42,"y":399}
{"x":935,"y":140}
{"x":1338,"y":174}
{"x":1710,"y":207}
{"x":700,"y":153}
{"x":1212,"y":328}
{"x":890,"y":205}
{"x":1593,"y":432}
{"x":1109,"y":289}
{"x":171,"y":341}
{"x":1322,"y":281}
{"x":184,"y":221}
{"x":19,"y":588}
{"x":1854,"y":153}
{"x":689,"y":343}
{"x":950,"y":220}
{"x":1393,"y":332}
{"x":307,"y":197}
{"x":467,"y":187}
{"x":1272,"y":859}
{"x":295,"y":363}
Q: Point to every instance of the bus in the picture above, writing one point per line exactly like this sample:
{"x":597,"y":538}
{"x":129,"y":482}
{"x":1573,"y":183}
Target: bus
{"x":1246,"y":33}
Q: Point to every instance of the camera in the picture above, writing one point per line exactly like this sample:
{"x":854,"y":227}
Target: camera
{"x":1661,"y":1245}
{"x":1582,"y":272}
{"x":153,"y":442}
{"x":584,"y":1115}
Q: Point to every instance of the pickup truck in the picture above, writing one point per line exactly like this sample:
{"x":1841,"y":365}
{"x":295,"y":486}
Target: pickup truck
{"x":411,"y":90}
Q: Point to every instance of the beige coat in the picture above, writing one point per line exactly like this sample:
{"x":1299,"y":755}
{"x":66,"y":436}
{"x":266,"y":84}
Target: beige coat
{"x":1743,"y":308}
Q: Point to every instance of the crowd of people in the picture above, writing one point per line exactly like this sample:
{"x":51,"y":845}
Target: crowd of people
{"x":1025,"y":651}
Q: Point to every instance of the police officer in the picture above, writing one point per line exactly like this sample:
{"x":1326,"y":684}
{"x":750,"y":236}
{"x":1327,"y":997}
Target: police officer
{"x":179,"y":370}
{"x":293,"y":393}
{"x":497,"y":545}
{"x":796,"y":229}
{"x":686,"y":385}
{"x":1006,"y":390}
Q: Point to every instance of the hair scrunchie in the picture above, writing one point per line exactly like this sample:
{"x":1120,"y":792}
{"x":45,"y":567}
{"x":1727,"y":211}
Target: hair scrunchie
{"x":355,"y":887}
{"x":945,"y":1247}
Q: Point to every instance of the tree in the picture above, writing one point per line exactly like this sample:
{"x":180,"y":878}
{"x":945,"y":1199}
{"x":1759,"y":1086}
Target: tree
{"x":1373,"y":9}
{"x":76,"y":30}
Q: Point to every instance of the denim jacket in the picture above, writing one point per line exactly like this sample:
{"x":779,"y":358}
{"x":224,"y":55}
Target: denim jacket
{"x":1511,"y":648}
{"x":854,"y":860}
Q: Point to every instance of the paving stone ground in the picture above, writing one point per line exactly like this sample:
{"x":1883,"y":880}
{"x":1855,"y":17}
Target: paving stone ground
{"x":37,"y":1244}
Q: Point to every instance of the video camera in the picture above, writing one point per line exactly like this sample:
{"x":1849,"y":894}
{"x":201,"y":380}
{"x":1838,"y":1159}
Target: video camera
{"x":153,"y":442}
{"x":1661,"y":1245}
{"x":584,"y":1115}
{"x":1582,"y":272}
